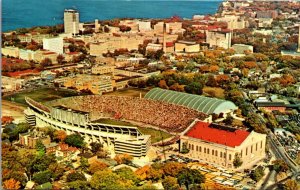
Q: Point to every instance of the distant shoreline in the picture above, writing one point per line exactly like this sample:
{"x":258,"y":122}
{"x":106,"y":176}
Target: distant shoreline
{"x":15,"y":16}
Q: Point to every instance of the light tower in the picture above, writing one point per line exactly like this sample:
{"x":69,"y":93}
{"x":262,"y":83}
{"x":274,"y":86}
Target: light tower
{"x":298,"y":39}
{"x":164,"y":39}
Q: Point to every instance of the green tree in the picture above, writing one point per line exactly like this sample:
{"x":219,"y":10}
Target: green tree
{"x":75,"y":176}
{"x":184,"y":149}
{"x":280,"y":166}
{"x":57,"y":170}
{"x":127,"y":174}
{"x":75,"y":140}
{"x":257,"y":174}
{"x":40,"y":147}
{"x":42,"y":177}
{"x":189,"y":177}
{"x":79,"y":185}
{"x":237,"y":162}
{"x":194,"y":88}
{"x":170,"y":183}
{"x":106,"y":180}
{"x":95,"y":147}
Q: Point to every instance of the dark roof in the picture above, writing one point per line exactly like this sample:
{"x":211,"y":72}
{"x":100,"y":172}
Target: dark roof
{"x":70,"y":109}
{"x":270,"y":104}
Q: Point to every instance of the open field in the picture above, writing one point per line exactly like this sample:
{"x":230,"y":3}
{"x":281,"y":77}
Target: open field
{"x":134,"y":92}
{"x":40,"y":95}
{"x":214,"y":92}
{"x":156,"y":135}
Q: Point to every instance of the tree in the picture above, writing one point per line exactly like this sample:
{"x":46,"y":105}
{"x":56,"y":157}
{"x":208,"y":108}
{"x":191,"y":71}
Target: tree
{"x":172,"y":168}
{"x":106,"y":179}
{"x":60,"y":135}
{"x":163,"y":84}
{"x":237,"y":162}
{"x":11,"y":184}
{"x":42,"y":177}
{"x":123,"y":158}
{"x":57,"y":170}
{"x":84,"y":164}
{"x":194,"y":88}
{"x":40,"y":147}
{"x":75,"y":176}
{"x":257,"y":174}
{"x":79,"y":185}
{"x":75,"y":140}
{"x":95,"y":147}
{"x":291,"y":185}
{"x":280,"y":166}
{"x":184,"y":148}
{"x":97,"y":166}
{"x":60,"y":59}
{"x":229,"y":119}
{"x":46,"y":62}
{"x":128,"y":174}
{"x":170,"y":183}
{"x":189,"y":177}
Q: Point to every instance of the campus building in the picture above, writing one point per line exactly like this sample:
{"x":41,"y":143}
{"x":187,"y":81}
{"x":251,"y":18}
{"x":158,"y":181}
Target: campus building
{"x":200,"y":103}
{"x":117,"y":138}
{"x":71,"y":21}
{"x":219,"y":38}
{"x":216,"y":144}
{"x":54,"y":44}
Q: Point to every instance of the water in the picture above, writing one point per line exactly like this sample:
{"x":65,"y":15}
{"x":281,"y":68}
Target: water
{"x":29,"y":13}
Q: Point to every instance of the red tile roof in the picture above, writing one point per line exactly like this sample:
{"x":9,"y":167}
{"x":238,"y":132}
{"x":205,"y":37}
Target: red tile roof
{"x":10,"y":61}
{"x":24,"y":72}
{"x":218,"y":134}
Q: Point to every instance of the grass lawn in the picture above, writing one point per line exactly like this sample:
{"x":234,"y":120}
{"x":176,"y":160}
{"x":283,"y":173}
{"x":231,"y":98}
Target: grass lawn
{"x":155,"y":134}
{"x":113,"y":122}
{"x":40,"y":95}
{"x":214,"y":92}
{"x":134,"y":92}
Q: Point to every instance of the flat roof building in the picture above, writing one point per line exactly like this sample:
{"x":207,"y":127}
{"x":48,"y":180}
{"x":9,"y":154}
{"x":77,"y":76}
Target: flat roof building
{"x":71,"y":21}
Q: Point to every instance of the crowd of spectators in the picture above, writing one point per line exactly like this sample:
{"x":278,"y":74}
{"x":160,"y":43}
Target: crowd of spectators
{"x":170,"y":117}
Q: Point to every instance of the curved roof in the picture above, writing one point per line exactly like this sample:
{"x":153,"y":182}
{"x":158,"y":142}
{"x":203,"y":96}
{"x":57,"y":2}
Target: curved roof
{"x":200,"y":103}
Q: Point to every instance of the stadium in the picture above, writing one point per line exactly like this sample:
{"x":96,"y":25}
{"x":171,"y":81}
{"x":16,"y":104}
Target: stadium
{"x":82,"y":114}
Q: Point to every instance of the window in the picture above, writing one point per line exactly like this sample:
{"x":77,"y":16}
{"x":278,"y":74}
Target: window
{"x":229,"y":156}
{"x":246,"y":151}
{"x":256,"y":147}
{"x":189,"y":146}
{"x":204,"y":150}
{"x":224,"y":154}
{"x":216,"y":153}
{"x":251,"y":148}
{"x":200,"y":148}
{"x":241,"y":153}
{"x":196,"y":148}
{"x":192,"y":147}
{"x":261,"y":144}
{"x":207,"y":151}
{"x":221,"y":154}
{"x":212,"y":152}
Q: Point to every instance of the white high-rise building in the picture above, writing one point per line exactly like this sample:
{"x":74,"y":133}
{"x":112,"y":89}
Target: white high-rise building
{"x":54,"y":44}
{"x":71,"y":21}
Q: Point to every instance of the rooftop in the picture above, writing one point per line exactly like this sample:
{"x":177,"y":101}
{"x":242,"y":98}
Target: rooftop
{"x":218,"y":134}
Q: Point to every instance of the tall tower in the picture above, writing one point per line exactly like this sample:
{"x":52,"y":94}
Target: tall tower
{"x":299,"y":39}
{"x":71,"y":21}
{"x":164,"y":39}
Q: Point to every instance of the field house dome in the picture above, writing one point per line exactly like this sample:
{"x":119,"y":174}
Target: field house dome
{"x":200,"y":103}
